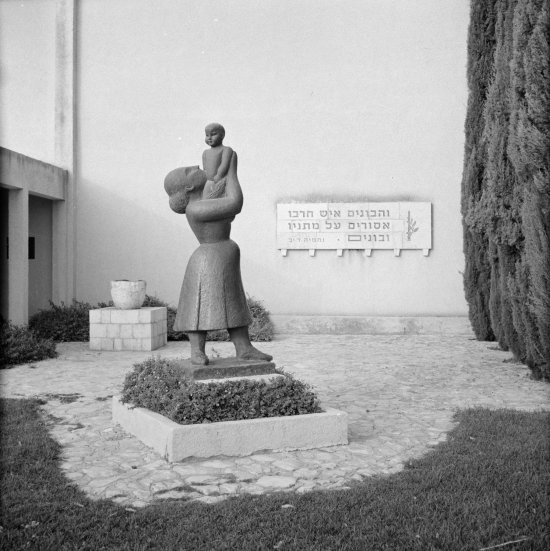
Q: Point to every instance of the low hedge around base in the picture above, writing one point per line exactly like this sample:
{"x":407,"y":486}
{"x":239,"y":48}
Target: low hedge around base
{"x":161,"y":386}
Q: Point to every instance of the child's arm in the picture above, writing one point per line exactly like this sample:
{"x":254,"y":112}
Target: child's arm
{"x":227,"y":153}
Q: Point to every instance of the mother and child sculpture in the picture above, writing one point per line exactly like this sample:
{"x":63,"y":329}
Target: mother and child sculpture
{"x":212,"y":295}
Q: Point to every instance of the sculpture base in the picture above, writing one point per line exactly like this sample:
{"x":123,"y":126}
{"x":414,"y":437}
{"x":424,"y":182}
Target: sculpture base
{"x":223,"y":368}
{"x":232,"y":438}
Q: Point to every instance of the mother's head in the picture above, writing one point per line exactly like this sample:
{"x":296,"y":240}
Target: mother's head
{"x":181,"y":183}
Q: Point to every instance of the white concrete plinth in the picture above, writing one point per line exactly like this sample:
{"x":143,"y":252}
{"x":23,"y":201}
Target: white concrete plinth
{"x":141,"y":329}
{"x":371,"y":325}
{"x":234,"y":438}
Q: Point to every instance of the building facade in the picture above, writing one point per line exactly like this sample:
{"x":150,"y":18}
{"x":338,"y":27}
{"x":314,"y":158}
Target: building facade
{"x":331,"y":102}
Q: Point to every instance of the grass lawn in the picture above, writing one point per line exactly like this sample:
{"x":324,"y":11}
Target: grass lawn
{"x":486,"y":486}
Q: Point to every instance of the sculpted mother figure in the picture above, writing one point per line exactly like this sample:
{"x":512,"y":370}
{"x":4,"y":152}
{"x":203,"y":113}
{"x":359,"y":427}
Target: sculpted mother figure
{"x":212,"y":295}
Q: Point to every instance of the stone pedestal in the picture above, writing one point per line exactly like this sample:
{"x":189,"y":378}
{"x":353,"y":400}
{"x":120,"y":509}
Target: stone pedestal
{"x":176,"y":442}
{"x":141,"y":329}
{"x":223,"y":368}
{"x":234,"y":438}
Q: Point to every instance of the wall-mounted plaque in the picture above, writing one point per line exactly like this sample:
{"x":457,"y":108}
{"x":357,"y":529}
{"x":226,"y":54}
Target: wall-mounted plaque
{"x":363,"y":226}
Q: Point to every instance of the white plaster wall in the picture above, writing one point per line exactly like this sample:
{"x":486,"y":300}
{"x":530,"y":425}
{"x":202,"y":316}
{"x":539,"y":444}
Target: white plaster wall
{"x":322,"y":99}
{"x":27,"y":77}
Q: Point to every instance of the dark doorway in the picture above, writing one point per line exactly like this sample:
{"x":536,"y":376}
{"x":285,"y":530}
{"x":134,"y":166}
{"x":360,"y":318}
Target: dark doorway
{"x":4,"y":197}
{"x":40,"y":253}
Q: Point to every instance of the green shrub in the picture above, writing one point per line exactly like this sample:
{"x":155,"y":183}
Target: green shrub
{"x":261,"y":328}
{"x":172,"y":335}
{"x":63,"y":323}
{"x":18,"y":344}
{"x":162,"y":386}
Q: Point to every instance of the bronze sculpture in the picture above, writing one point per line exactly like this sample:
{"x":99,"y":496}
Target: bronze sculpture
{"x":212,"y":295}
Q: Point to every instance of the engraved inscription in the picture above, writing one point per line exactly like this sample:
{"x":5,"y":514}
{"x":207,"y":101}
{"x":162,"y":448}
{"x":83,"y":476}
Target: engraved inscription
{"x":365,"y":226}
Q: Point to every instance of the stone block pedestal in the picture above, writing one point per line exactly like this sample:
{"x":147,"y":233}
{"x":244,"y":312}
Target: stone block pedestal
{"x":234,"y":438}
{"x":223,"y":368}
{"x":141,"y":329}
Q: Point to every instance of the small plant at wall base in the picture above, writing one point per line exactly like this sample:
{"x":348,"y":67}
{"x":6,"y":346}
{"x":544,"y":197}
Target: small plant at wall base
{"x":160,"y":385}
{"x":261,"y":328}
{"x":19,"y":344}
{"x":151,"y":302}
{"x":64,"y":323}
{"x":71,"y":323}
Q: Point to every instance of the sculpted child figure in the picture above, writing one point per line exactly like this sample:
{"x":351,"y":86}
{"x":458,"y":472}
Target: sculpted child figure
{"x":215,"y":161}
{"x":212,"y":295}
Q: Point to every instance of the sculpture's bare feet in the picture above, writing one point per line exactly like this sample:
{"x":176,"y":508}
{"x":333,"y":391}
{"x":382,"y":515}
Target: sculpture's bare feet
{"x":199,"y":358}
{"x":252,"y":353}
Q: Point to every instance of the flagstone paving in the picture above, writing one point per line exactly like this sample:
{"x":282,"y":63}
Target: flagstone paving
{"x":400,"y":392}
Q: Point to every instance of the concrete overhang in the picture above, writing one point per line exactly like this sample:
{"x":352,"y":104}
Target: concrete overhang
{"x":18,"y":171}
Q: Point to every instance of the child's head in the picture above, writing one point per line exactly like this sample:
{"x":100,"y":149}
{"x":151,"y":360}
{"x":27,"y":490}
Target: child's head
{"x":215,"y":134}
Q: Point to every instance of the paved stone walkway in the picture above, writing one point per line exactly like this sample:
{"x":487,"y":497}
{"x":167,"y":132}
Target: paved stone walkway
{"x":400,"y":392}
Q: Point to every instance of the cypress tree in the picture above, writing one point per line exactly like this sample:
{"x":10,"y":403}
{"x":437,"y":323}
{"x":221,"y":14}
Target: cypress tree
{"x":529,"y":149}
{"x":481,"y":44}
{"x":498,"y":210}
{"x":506,"y":180}
{"x":537,"y":196}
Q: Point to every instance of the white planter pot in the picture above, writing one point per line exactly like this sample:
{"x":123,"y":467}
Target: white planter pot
{"x":128,"y":295}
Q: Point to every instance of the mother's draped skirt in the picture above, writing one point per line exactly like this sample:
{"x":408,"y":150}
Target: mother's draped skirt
{"x":212,"y":295}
